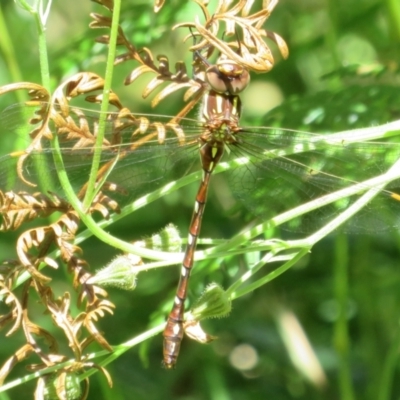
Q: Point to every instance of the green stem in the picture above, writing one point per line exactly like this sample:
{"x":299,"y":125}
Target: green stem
{"x":41,"y":21}
{"x":6,"y":47}
{"x":332,"y":40}
{"x":341,"y":335}
{"x":388,"y":370}
{"x":267,"y":278}
{"x":40,"y":17}
{"x":122,"y":348}
{"x":43,"y":55}
{"x":89,"y":221}
{"x":118,"y":350}
{"x":218,"y":388}
{"x":90,"y":193}
{"x":393,"y":12}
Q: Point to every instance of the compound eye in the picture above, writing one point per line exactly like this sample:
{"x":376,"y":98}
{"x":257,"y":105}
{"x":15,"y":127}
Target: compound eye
{"x":227,"y":77}
{"x":216,"y":80}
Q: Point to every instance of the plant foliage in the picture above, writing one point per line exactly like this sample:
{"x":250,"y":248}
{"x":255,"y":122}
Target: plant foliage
{"x":86,"y":159}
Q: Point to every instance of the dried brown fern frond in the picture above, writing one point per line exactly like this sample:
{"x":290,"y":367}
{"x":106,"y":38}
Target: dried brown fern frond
{"x":38,"y":105}
{"x":59,"y":310}
{"x":21,"y":354}
{"x":248,"y":47}
{"x":177,"y":78}
{"x":55,"y":117}
{"x":34,"y":245}
{"x":66,"y":384}
{"x":87,"y":291}
{"x":61,"y":234}
{"x":18,"y":208}
{"x":61,"y":385}
{"x":143,"y":56}
{"x":10,"y":299}
{"x":232,"y":29}
{"x":32,"y":330}
{"x":37,"y":93}
{"x":47,"y":110}
{"x":158,"y":4}
{"x":103,"y":203}
{"x":77,"y":131}
{"x":91,"y":315}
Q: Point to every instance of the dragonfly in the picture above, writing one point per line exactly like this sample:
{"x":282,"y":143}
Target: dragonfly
{"x":220,"y":113}
{"x":270,"y":170}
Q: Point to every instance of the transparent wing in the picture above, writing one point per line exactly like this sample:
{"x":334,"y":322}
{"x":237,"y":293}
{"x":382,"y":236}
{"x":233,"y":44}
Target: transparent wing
{"x":289,"y":168}
{"x":284,"y":168}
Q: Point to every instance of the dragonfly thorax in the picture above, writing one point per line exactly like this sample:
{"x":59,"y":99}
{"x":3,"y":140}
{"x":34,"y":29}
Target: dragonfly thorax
{"x":220,"y":110}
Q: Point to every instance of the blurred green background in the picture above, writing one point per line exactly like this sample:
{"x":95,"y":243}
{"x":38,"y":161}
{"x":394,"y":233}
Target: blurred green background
{"x":344,"y":68}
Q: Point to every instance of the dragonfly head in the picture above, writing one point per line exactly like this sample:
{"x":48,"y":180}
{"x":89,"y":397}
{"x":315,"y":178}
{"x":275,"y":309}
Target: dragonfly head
{"x":227,"y":77}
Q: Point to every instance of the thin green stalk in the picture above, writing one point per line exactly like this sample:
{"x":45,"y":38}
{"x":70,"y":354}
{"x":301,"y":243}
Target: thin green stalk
{"x":218,"y":388}
{"x":267,"y":278}
{"x":331,"y":41}
{"x":311,"y":240}
{"x":7,"y":48}
{"x":4,"y":396}
{"x":341,"y":337}
{"x":375,"y":184}
{"x":393,"y":12}
{"x":90,"y":222}
{"x":40,"y":15}
{"x":389,"y":369}
{"x":118,"y":350}
{"x":122,"y":348}
{"x":43,"y":55}
{"x":104,"y":105}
